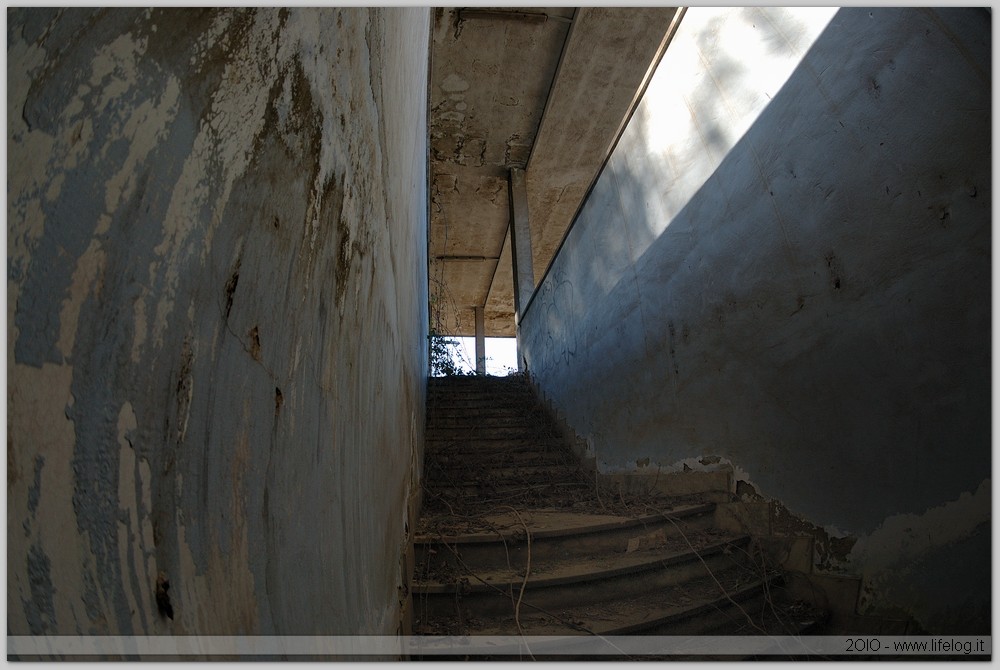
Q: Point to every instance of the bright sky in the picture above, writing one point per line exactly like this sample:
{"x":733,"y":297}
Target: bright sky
{"x":501,"y":354}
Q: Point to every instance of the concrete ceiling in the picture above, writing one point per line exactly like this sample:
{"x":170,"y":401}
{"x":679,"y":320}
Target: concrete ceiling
{"x":545,"y":89}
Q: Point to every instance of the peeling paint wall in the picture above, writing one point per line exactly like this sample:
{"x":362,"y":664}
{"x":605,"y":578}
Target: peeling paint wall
{"x":786,"y":265}
{"x":217,"y":318}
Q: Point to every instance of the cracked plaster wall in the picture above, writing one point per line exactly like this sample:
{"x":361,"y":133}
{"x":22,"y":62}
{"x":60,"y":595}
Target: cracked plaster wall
{"x":785,"y":265}
{"x":217,"y":317}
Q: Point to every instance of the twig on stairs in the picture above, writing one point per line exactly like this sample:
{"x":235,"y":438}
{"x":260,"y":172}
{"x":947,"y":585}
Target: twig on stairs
{"x":524,"y":583}
{"x":438,"y":497}
{"x":541,"y":610}
{"x":709,"y":570}
{"x":567,"y":622}
{"x":597,"y":491}
{"x":769,"y":599}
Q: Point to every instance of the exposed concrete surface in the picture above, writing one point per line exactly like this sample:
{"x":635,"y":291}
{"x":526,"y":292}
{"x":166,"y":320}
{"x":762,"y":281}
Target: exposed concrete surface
{"x":588,"y":107}
{"x":490,"y":78}
{"x":520,"y":242}
{"x":216,"y":315}
{"x":500,"y":80}
{"x":903,"y":559}
{"x":786,"y":263}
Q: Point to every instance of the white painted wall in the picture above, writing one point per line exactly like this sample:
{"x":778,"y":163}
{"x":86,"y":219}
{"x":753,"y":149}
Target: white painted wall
{"x":786,"y":263}
{"x":217,"y":317}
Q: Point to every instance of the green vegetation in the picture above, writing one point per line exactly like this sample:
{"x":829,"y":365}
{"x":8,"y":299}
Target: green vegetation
{"x":445,"y":355}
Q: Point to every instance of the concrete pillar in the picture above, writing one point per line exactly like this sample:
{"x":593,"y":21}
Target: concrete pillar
{"x":520,"y":242}
{"x":480,"y":341}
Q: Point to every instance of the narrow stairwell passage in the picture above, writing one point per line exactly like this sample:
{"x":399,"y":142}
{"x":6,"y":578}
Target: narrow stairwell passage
{"x":515,"y":538}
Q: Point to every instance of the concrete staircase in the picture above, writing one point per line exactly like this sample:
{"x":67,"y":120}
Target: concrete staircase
{"x":515,"y":538}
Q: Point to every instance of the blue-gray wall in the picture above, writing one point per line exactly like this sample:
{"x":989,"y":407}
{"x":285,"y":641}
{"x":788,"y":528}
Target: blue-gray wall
{"x":217,"y":317}
{"x":786,"y":263}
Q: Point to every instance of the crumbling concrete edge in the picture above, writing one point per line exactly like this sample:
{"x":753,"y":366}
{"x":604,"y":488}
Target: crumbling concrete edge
{"x":850,"y":575}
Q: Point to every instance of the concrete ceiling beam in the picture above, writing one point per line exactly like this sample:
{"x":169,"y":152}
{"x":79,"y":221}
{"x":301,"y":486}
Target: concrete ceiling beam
{"x":546,"y":89}
{"x":611,"y":54}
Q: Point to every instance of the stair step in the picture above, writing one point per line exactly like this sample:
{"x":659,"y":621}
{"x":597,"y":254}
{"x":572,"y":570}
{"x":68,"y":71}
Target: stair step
{"x":476,"y":461}
{"x":491,"y":433}
{"x":438,"y":390}
{"x":454,"y":408}
{"x":439,"y":384}
{"x":469,"y":457}
{"x":486,"y":406}
{"x":757,"y":615}
{"x":508,"y":482}
{"x":738,"y":606}
{"x":498,"y":459}
{"x":492,"y":442}
{"x":469,"y":421}
{"x":460,"y":475}
{"x":521,"y":395}
{"x":502,"y":468}
{"x":518,"y":397}
{"x":481,"y":391}
{"x":556,"y":535}
{"x":695,"y":607}
{"x":579,"y":582}
{"x":494,"y":448}
{"x":477,"y":379}
{"x":506,"y":493}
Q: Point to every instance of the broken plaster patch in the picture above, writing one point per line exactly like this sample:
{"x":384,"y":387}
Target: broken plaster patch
{"x":219,"y":155}
{"x":114,"y":68}
{"x":30,"y":152}
{"x":39,"y":610}
{"x":451,"y":117}
{"x":216,"y":36}
{"x":89,"y":267}
{"x":134,"y":524}
{"x":454,"y":84}
{"x":37,"y":400}
{"x":705,"y":463}
{"x":902,"y":539}
{"x":908,"y":564}
{"x":145,"y":128}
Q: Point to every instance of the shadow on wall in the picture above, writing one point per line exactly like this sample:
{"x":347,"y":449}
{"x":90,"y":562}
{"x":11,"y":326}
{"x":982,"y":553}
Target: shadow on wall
{"x":819,"y":310}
